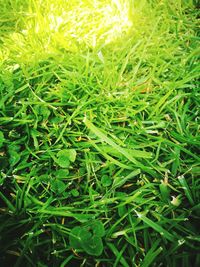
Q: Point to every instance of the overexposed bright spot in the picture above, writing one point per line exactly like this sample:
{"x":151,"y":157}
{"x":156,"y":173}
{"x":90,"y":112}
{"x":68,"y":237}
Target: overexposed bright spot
{"x":81,"y":22}
{"x":49,"y":27}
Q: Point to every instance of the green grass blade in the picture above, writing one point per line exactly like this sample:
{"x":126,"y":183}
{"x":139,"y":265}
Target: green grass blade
{"x":164,"y":233}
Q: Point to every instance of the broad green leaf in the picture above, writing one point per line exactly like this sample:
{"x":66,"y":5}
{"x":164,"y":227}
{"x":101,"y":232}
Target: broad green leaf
{"x":71,"y":154}
{"x":63,"y":162}
{"x":96,"y":227}
{"x":74,"y":238}
{"x":14,"y":158}
{"x":122,"y":210}
{"x":65,"y":156}
{"x":77,"y":236}
{"x":62,"y":173}
{"x":93,"y":246}
{"x":85,"y":234}
{"x":74,"y":192}
{"x":88,"y":237}
{"x":63,"y":159}
{"x":13,"y":147}
{"x":43,"y":111}
{"x":57,"y":119}
{"x":106,"y":180}
{"x":58,"y":186}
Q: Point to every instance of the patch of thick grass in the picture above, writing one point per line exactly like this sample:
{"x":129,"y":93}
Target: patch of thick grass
{"x":99,"y":141}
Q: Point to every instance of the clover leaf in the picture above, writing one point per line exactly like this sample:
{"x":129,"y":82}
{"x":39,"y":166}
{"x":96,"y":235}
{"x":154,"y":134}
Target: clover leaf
{"x":43,"y":112}
{"x":88,"y":238}
{"x":85,"y":235}
{"x":14,"y":158}
{"x":58,"y":186}
{"x":63,"y":160}
{"x":66,"y":156}
{"x":62,"y":173}
{"x":93,"y":245}
{"x":14,"y":154}
{"x":96,"y":227}
{"x":75,"y":238}
{"x":74,"y":192}
{"x":106,"y":180}
{"x":71,"y":153}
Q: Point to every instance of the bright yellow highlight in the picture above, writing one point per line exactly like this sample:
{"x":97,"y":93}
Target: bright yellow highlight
{"x":69,"y":24}
{"x":99,"y":22}
{"x":46,"y":27}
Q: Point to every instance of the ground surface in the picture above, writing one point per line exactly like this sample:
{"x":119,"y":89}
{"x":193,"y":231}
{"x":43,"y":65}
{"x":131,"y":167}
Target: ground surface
{"x":99,"y":133}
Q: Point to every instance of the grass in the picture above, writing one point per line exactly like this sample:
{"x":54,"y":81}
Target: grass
{"x":99,"y":133}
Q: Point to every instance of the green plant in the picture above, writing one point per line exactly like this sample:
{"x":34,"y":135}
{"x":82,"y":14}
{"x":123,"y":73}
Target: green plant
{"x":65,"y":156}
{"x":88,"y":238}
{"x":99,"y":122}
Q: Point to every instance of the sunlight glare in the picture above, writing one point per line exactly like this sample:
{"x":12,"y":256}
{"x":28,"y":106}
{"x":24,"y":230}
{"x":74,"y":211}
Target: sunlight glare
{"x":92,"y":24}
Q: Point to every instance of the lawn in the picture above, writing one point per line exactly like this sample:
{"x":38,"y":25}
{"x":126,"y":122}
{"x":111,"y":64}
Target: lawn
{"x":99,"y":133}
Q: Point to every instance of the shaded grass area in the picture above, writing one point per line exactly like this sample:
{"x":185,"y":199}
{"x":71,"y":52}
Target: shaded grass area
{"x":106,"y":134}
